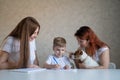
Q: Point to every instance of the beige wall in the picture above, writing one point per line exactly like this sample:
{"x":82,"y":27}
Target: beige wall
{"x":63,"y":18}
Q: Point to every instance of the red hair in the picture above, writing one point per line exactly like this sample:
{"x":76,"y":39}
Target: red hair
{"x":86,"y":33}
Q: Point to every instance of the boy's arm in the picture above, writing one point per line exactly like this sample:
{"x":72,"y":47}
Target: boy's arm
{"x":68,"y":63}
{"x":50,"y":66}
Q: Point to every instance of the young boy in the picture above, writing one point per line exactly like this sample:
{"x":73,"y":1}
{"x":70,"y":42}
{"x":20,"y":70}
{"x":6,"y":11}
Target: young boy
{"x":58,"y":60}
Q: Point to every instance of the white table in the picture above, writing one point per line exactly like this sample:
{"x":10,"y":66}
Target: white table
{"x":81,"y":74}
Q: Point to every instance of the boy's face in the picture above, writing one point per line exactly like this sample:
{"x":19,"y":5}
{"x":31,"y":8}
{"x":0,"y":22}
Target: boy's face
{"x":59,"y":51}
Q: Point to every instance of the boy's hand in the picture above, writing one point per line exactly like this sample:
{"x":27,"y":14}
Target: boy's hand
{"x":57,"y":66}
{"x":66,"y":67}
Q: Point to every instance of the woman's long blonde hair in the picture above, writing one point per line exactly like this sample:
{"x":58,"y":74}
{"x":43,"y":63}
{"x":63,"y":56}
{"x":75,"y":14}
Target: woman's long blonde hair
{"x":23,"y":31}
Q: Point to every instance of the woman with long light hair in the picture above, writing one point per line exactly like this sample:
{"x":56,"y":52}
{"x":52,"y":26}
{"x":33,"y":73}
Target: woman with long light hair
{"x":18,"y":49}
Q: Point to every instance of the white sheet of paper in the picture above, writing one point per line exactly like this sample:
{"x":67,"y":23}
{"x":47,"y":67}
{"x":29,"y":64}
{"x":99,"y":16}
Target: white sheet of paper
{"x":28,"y":70}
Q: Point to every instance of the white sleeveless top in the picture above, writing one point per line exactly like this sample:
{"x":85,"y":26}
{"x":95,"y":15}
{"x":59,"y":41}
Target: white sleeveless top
{"x":99,"y":52}
{"x":12,"y":46}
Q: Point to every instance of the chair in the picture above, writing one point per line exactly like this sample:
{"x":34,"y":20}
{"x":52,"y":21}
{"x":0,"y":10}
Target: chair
{"x":112,"y":65}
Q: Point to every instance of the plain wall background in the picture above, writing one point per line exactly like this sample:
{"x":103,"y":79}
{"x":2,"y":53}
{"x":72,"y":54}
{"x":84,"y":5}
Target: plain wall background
{"x":63,"y":18}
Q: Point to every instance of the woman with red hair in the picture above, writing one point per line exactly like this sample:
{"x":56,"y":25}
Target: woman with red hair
{"x":93,"y":46}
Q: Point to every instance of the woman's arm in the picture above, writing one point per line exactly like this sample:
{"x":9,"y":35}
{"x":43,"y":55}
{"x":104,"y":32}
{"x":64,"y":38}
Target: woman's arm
{"x":5,"y":63}
{"x":35,"y":64}
{"x":104,"y":61}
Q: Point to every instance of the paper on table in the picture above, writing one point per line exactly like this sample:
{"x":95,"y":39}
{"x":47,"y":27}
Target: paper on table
{"x":70,"y":70}
{"x":28,"y":70}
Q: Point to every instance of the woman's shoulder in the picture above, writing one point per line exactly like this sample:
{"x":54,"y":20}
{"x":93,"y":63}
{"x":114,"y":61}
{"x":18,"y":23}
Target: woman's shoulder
{"x":9,"y":39}
{"x":102,"y":49}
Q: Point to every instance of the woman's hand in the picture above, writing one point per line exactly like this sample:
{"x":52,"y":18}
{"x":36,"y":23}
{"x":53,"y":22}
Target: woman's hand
{"x":33,"y":66}
{"x":82,"y":66}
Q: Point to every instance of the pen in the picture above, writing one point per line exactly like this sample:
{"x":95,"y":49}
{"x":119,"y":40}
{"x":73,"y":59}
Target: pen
{"x":55,"y":60}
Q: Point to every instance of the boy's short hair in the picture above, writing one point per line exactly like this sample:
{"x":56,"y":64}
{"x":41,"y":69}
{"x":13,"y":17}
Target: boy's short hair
{"x":59,"y":41}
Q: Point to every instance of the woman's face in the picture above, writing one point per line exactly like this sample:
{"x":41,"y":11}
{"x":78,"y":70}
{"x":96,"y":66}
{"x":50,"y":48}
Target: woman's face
{"x":34,"y":35}
{"x":82,"y":43}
